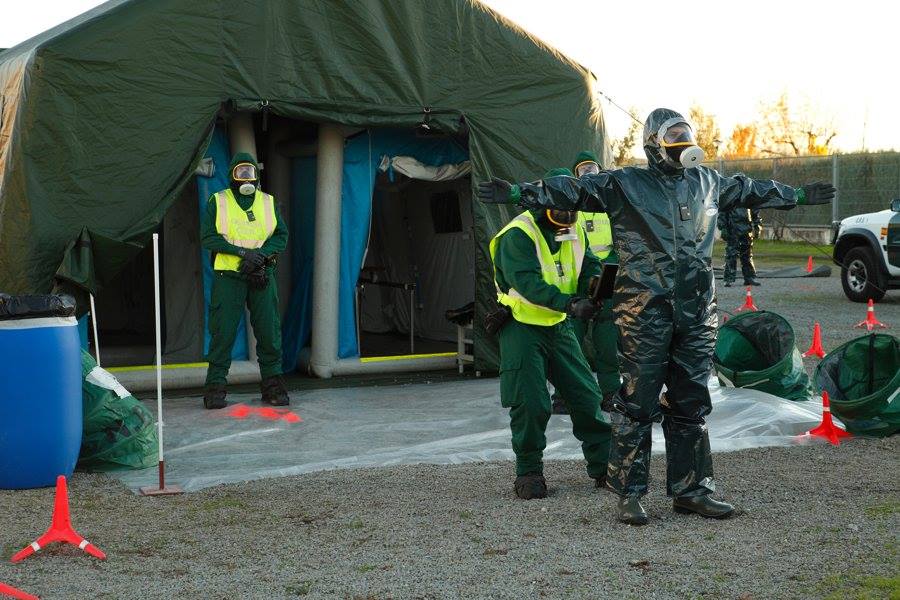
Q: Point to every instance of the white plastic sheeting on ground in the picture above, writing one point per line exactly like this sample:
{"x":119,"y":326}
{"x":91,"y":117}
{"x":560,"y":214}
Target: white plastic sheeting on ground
{"x":441,"y":423}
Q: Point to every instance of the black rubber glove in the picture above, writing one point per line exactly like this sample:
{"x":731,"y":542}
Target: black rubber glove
{"x":498,"y":191}
{"x":251,"y":260}
{"x":815,"y":193}
{"x":581,"y":308}
{"x":258,"y":279}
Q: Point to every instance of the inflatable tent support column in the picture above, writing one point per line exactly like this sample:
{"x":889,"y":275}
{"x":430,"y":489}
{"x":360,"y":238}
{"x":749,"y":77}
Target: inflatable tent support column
{"x":278,"y":183}
{"x":322,"y":359}
{"x":242,"y":138}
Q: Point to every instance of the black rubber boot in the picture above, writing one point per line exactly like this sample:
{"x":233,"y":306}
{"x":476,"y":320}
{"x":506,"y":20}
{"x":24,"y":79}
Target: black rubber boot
{"x":214,"y":397}
{"x":751,"y":281}
{"x":600,"y":482}
{"x":728,"y":283}
{"x":631,"y":512}
{"x":531,"y":486}
{"x":273,"y":392}
{"x":704,"y":505}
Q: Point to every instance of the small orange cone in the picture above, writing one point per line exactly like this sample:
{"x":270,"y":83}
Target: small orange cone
{"x":8,"y":590}
{"x":748,"y":302}
{"x":60,"y":528}
{"x":809,"y":265}
{"x":871,"y":322}
{"x":816,"y":347}
{"x":827,"y":429}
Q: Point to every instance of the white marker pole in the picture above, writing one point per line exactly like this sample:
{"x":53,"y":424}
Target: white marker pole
{"x":94,"y":323}
{"x":162,"y":490}
{"x":159,"y":407}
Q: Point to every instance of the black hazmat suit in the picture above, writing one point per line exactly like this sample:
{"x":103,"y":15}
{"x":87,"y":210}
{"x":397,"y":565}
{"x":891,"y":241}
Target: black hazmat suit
{"x":736,"y":227}
{"x":664,"y":221}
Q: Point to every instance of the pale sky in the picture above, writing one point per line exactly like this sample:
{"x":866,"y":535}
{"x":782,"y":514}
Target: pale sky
{"x":838,"y":57}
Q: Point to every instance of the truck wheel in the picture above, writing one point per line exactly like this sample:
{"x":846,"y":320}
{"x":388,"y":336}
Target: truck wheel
{"x":860,"y":276}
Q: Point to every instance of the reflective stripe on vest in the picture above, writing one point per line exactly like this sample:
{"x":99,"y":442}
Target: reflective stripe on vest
{"x":598,"y":232}
{"x":561,"y":270}
{"x":233,"y":223}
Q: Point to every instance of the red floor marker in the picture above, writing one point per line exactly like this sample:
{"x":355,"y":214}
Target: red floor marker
{"x":809,"y":265}
{"x":816,"y":349}
{"x":8,"y":590}
{"x":242,"y":411}
{"x":871,"y":322}
{"x":827,"y":429}
{"x":60,"y":528}
{"x":748,"y":302}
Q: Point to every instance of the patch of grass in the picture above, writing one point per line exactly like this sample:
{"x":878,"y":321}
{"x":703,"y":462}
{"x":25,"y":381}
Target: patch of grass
{"x":779,"y":254}
{"x":356,"y":524}
{"x":466,"y":514}
{"x":884,"y":509}
{"x":366,"y":568}
{"x":301,"y":588}
{"x":855,"y":587}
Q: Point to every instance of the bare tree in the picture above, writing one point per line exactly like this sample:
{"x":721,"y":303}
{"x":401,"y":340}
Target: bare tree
{"x":706,"y":130}
{"x":622,"y":147}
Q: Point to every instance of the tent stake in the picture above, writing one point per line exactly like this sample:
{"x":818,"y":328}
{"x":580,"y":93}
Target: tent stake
{"x":96,"y":336}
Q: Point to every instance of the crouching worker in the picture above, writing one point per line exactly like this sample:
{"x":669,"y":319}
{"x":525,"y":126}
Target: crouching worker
{"x":244,"y":232}
{"x":541,"y":262}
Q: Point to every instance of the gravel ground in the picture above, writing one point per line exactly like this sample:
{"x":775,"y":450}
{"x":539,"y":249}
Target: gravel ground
{"x":804,"y":301}
{"x":824,"y":525}
{"x":825,"y":522}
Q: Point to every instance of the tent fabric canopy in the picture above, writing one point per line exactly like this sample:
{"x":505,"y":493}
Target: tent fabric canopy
{"x":107,"y":116}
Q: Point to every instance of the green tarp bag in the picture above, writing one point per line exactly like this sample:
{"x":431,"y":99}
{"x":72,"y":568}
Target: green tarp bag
{"x":862,"y":378}
{"x":119,"y":431}
{"x":757,"y":350}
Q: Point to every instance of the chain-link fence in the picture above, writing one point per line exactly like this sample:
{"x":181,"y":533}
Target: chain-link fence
{"x":866,"y":182}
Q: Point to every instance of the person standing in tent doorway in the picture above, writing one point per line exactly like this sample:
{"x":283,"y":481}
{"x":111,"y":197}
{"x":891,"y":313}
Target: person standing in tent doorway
{"x":736,"y":227}
{"x":602,"y":328}
{"x":664,"y":219}
{"x":244,"y":232}
{"x":541,"y":269}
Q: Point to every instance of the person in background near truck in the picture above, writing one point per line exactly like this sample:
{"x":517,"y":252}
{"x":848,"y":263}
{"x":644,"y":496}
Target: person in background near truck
{"x":736,"y":228}
{"x":541,"y":269}
{"x":244,"y":232}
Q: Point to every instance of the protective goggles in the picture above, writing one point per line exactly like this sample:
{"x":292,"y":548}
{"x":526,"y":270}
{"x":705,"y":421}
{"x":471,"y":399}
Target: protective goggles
{"x":586,"y":167}
{"x":244,"y":172}
{"x":675,"y":133}
{"x":562,"y":218}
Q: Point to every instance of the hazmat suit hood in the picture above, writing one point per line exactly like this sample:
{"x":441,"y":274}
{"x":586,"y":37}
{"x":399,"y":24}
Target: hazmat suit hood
{"x":241,"y":157}
{"x":652,"y":147}
{"x":583,"y":157}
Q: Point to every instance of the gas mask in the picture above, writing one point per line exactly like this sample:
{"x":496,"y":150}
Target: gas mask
{"x":244,"y":175}
{"x":564,"y":221}
{"x":677,"y":144}
{"x":586,"y":167}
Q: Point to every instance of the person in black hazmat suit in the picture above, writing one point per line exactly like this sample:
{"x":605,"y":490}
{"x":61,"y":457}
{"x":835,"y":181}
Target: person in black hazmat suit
{"x":736,"y":227}
{"x":664,"y":220}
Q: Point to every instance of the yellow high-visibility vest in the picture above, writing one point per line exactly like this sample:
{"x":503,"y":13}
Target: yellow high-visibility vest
{"x":561,"y":269}
{"x":598,"y":231}
{"x":234,"y":223}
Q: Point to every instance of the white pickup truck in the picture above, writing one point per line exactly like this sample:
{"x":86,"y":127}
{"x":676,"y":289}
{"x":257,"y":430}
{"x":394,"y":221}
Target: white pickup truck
{"x":868,"y":249}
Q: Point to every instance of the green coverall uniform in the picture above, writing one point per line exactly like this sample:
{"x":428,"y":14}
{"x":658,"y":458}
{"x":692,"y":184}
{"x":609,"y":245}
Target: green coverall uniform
{"x":231,"y":292}
{"x":528,"y":353}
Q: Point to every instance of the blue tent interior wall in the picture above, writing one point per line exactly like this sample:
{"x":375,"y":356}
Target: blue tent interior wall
{"x":218,"y":151}
{"x":362,"y":155}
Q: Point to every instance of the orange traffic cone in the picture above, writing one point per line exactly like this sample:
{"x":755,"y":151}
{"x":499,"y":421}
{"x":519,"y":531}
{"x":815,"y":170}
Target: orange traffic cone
{"x":871,"y":322}
{"x":827,"y":429}
{"x":60,"y":528}
{"x":748,"y":302}
{"x":816,"y":347}
{"x":809,"y":265}
{"x":8,"y":590}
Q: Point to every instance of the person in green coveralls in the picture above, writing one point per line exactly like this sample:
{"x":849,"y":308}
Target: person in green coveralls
{"x":602,"y":328}
{"x":244,"y":232}
{"x":542,"y":266}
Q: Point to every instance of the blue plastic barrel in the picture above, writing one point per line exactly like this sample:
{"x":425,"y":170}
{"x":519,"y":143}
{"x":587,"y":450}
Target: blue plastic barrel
{"x":40,"y":393}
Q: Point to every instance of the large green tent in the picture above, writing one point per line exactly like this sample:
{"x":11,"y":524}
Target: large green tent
{"x":106,"y":117}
